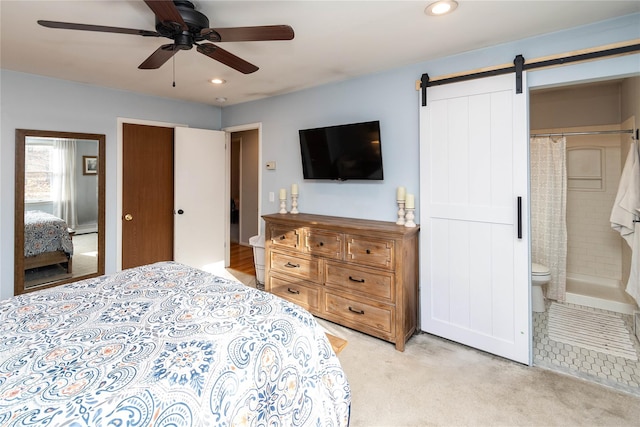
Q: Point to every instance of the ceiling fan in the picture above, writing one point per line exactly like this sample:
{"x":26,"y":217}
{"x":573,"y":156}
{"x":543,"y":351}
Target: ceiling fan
{"x":179,"y":21}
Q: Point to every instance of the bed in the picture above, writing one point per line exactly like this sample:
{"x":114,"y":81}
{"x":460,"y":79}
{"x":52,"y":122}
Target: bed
{"x":165,"y":344}
{"x":47,"y":241}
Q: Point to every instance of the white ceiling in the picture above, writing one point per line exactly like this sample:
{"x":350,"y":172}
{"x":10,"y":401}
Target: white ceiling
{"x":334,"y":40}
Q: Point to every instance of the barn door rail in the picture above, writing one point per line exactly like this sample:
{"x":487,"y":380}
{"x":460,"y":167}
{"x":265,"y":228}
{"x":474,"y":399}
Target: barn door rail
{"x":519,"y":65}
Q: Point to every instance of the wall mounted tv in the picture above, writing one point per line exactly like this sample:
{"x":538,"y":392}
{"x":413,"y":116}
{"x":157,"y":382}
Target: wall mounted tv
{"x":342,"y":152}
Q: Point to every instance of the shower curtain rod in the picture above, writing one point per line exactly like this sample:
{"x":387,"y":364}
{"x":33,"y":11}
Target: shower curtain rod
{"x":594,"y":132}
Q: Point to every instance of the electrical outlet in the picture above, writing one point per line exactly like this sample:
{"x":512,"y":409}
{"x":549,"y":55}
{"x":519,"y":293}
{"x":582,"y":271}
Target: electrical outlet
{"x":271,"y":165}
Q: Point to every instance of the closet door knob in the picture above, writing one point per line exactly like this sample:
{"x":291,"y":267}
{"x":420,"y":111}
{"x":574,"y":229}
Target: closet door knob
{"x":128,"y":217}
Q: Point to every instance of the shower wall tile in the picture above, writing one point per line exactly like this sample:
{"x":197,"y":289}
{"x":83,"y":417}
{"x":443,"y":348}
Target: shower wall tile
{"x":593,"y":248}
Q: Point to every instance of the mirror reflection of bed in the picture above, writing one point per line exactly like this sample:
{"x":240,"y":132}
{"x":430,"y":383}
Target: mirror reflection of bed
{"x":53,"y":251}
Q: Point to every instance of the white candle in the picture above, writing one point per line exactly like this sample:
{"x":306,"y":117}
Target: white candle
{"x":410,"y":203}
{"x":400,"y":194}
{"x":283,"y":194}
{"x":294,"y":189}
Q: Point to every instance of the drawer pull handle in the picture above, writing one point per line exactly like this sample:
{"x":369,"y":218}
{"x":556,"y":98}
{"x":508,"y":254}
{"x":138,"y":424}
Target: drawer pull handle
{"x":356,"y":311}
{"x":368,"y":251}
{"x":321,"y":243}
{"x":289,"y":265}
{"x":356,"y":280}
{"x":292,"y":291}
{"x":282,"y":237}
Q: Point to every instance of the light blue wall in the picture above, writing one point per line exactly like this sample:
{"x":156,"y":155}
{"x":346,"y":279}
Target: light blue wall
{"x":34,"y":102}
{"x":391,"y":98}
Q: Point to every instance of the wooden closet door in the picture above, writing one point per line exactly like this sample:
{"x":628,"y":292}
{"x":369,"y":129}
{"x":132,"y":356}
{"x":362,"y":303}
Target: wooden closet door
{"x":147,"y":195}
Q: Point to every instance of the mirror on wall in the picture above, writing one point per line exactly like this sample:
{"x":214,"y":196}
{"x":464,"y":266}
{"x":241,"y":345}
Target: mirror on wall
{"x":59,"y":205}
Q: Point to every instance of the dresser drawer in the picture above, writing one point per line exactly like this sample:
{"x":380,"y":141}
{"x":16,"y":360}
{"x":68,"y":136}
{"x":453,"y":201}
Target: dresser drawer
{"x":374,"y":252}
{"x":297,"y":266}
{"x":324,"y":243}
{"x":285,"y":237}
{"x":374,"y":284}
{"x":306,"y":295}
{"x":359,"y":313}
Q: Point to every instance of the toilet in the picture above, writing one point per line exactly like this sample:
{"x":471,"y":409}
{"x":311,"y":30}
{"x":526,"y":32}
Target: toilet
{"x":540,"y":275}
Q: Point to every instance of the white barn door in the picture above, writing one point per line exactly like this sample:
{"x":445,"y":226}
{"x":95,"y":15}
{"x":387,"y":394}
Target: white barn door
{"x":199,"y":182}
{"x":474,"y":269}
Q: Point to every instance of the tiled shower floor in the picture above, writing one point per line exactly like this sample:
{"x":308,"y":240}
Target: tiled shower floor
{"x":617,"y":372}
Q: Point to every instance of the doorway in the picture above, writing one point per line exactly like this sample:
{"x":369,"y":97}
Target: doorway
{"x":582,"y":331}
{"x":244,"y":194}
{"x":244,"y":186}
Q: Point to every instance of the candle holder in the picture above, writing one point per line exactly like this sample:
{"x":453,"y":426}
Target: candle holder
{"x":400,"y":220}
{"x":283,"y":206}
{"x":294,"y":204}
{"x":410,"y":218}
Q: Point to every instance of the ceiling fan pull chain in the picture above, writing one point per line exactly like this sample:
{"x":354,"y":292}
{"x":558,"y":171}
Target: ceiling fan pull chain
{"x":174,"y":71}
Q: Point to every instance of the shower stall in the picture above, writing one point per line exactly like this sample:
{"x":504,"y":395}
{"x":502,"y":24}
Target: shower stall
{"x":598,"y":134}
{"x":597,"y":264}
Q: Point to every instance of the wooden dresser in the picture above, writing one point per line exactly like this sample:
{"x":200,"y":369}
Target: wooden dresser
{"x":359,"y":273}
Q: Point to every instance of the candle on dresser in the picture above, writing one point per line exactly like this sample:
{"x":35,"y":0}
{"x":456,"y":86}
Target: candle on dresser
{"x":283,"y":194}
{"x":294,"y":189}
{"x":401,"y":194}
{"x":410,"y":201}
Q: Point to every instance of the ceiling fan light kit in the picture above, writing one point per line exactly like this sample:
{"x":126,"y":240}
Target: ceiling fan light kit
{"x":179,"y":21}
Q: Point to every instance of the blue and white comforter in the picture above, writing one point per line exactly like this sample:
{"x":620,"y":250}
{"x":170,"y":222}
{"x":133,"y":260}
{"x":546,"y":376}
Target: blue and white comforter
{"x":164,"y":345}
{"x":44,"y":232}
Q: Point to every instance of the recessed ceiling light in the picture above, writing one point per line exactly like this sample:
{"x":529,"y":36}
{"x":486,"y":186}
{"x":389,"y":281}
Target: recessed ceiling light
{"x":217,"y":81}
{"x":441,"y":7}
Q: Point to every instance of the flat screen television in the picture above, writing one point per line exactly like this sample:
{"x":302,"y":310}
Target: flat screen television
{"x":342,"y":152}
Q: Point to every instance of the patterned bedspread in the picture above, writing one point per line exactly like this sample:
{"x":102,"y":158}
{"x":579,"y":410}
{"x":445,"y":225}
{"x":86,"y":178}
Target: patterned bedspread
{"x":44,"y":232}
{"x":165,"y":345}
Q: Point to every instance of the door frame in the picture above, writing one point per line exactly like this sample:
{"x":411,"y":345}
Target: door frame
{"x":120,"y":125}
{"x":229,"y":130}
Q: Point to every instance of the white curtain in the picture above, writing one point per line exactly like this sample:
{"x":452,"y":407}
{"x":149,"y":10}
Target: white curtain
{"x":64,"y":180}
{"x":548,"y":211}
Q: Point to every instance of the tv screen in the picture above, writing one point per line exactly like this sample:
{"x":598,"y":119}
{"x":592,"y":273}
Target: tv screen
{"x":342,"y":152}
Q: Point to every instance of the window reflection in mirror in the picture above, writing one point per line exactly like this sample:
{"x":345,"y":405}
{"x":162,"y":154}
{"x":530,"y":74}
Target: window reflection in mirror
{"x":59,"y":208}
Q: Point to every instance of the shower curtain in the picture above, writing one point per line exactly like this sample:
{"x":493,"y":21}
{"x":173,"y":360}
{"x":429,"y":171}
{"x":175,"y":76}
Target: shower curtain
{"x":548,"y":210}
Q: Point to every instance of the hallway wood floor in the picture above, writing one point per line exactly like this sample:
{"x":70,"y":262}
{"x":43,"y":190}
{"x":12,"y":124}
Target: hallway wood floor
{"x":242,"y":259}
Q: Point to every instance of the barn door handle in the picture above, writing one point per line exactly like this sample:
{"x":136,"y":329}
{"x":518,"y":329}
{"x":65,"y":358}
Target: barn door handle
{"x":519,"y":217}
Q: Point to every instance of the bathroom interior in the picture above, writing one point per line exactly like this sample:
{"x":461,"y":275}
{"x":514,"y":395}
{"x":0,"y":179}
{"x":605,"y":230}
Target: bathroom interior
{"x":589,"y":128}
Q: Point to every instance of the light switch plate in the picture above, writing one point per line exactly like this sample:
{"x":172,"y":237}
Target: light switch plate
{"x":271,"y":165}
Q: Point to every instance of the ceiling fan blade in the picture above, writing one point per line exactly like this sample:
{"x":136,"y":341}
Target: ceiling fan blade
{"x":100,"y":28}
{"x":159,"y":57}
{"x":248,"y":34}
{"x":167,"y":12}
{"x":227,"y":58}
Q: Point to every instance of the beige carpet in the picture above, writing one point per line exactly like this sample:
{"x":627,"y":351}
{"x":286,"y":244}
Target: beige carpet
{"x":85,"y":254}
{"x":435,"y":382}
